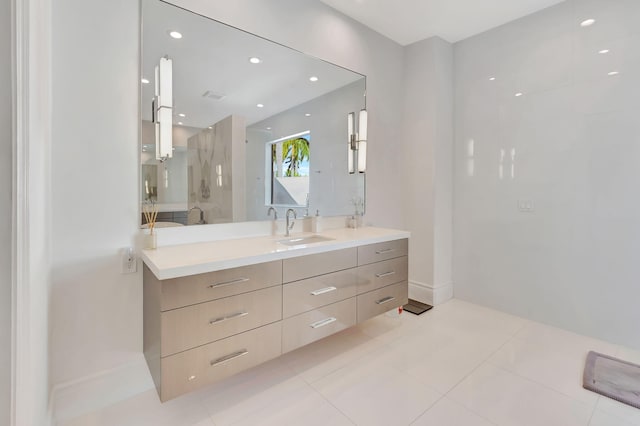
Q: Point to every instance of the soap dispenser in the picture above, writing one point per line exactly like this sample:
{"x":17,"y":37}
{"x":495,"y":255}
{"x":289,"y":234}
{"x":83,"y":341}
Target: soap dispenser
{"x":316,"y":224}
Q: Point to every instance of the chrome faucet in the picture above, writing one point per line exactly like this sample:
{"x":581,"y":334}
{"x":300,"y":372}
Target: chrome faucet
{"x":275,"y":213}
{"x":289,"y":226}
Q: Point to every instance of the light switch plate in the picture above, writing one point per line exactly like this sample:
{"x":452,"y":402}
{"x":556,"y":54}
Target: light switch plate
{"x":525,"y":205}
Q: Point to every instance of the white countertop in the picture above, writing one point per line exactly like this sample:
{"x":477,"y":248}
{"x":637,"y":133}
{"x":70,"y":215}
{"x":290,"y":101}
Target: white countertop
{"x":198,"y":258}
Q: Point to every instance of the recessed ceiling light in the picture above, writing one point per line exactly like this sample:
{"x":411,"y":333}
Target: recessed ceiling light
{"x":313,"y":78}
{"x":175,"y":34}
{"x":603,"y":51}
{"x":614,"y":73}
{"x":307,"y":115}
{"x":181,"y":115}
{"x":255,"y":60}
{"x":268,"y":128}
{"x":260,"y":106}
{"x":492,"y":79}
{"x":180,"y":123}
{"x":587,"y":22}
{"x":210,"y":127}
{"x":519,"y":94}
{"x":144,"y":81}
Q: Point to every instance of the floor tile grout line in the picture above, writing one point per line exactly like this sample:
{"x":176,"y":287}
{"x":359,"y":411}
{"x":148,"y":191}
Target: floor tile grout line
{"x":515,"y":337}
{"x":389,"y":345}
{"x":293,"y":375}
{"x":374,"y":350}
{"x":333,"y":405}
{"x":515,"y":373}
{"x":483,"y":362}
{"x":543,"y":385}
{"x":428,"y":408}
{"x":593,"y":412}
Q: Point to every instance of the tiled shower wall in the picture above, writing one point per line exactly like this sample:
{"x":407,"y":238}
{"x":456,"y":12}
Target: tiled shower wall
{"x":547,"y":168}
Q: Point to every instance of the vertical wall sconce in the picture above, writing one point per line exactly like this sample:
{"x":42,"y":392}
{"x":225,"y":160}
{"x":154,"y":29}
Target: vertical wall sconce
{"x":162,"y":106}
{"x":219,"y":175}
{"x":352,"y":145}
{"x":362,"y":141}
{"x":357,"y":147}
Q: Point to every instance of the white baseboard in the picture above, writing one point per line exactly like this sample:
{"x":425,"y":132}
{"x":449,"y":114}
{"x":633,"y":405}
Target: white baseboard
{"x":75,"y":398}
{"x":430,"y":294}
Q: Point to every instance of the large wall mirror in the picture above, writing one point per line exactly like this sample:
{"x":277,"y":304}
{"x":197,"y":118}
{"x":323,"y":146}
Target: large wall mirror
{"x":255,"y":124}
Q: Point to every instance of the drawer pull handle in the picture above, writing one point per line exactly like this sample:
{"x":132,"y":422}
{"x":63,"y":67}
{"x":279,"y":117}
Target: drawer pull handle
{"x":385,"y":274}
{"x":229,"y":317}
{"x":236,"y":281}
{"x":323,"y":291}
{"x":229,"y":357}
{"x":385,"y":300}
{"x":323,"y":322}
{"x":385,"y":251}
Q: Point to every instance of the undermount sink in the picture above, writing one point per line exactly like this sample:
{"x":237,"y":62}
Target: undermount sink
{"x":300,"y":241}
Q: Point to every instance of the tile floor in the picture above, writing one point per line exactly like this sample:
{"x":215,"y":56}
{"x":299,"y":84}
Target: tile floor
{"x":459,"y":364}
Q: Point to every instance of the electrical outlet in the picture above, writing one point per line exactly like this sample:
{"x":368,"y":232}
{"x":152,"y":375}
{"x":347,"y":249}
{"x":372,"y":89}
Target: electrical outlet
{"x":129,"y":261}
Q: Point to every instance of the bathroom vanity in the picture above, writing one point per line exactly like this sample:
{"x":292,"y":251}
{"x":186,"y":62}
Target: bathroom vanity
{"x":214,"y":309}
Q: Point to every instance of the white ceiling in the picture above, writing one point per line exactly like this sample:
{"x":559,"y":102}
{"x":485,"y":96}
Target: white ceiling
{"x":215,"y":57}
{"x":408,"y":21}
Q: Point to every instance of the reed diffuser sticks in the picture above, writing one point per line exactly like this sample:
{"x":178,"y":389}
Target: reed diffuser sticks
{"x":150,"y":211}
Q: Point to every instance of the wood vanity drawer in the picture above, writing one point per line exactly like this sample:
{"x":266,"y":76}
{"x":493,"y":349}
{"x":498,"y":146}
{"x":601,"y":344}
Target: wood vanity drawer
{"x":382,"y":251}
{"x":309,"y":294}
{"x":196,"y":325}
{"x":190,"y":370}
{"x":299,"y":268}
{"x":184,"y":291}
{"x":381,"y":274}
{"x":382,"y":300}
{"x":314,"y":325}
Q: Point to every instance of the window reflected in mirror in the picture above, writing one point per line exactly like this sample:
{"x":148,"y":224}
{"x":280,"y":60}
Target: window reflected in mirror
{"x":289,"y":172}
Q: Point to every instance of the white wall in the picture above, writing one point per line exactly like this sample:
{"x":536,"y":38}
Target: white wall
{"x":96,"y":311}
{"x":5,"y":211}
{"x":175,"y":196}
{"x":572,"y":261}
{"x":318,"y":30}
{"x":33,"y":206}
{"x":427,"y":166}
{"x":331,"y":188}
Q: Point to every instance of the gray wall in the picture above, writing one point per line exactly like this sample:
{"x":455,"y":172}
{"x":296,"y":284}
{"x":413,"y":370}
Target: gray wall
{"x":5,"y":211}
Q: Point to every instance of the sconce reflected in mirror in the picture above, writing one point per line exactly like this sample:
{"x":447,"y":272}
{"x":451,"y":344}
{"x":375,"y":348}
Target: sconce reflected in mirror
{"x":357,"y":146}
{"x":162,"y":107}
